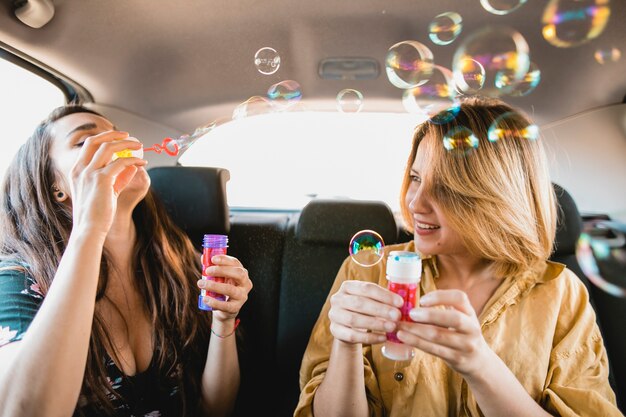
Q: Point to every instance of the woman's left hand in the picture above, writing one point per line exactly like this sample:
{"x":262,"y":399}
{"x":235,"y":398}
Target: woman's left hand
{"x":452,"y":333}
{"x":235,"y":287}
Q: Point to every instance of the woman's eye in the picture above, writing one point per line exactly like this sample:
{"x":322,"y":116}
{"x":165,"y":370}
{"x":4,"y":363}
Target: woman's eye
{"x":79,"y":144}
{"x":415,"y":178}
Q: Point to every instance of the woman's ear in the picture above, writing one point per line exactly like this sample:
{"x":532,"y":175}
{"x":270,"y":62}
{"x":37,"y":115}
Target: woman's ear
{"x":58,"y":194}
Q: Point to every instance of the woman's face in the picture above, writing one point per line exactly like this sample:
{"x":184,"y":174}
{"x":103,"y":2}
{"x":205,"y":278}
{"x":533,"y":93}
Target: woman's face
{"x":68,"y":134}
{"x":433,"y":235}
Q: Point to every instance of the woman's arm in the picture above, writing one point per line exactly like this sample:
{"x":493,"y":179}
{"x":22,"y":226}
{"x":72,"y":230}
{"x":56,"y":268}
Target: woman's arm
{"x":343,"y":389}
{"x":43,"y":373}
{"x":360,"y":313}
{"x":454,"y":335}
{"x":220,"y":379}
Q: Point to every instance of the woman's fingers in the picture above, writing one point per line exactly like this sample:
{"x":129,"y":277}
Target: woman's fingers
{"x":351,"y":335}
{"x":437,"y":335}
{"x":236,"y":287}
{"x":434,"y":348}
{"x":233,"y":292}
{"x":360,"y":321}
{"x":372,"y":291}
{"x":92,"y":144}
{"x":366,"y":306}
{"x":361,"y":312}
{"x":453,"y":298}
{"x":448,"y":318}
{"x":104,"y":155}
{"x":230,"y":307}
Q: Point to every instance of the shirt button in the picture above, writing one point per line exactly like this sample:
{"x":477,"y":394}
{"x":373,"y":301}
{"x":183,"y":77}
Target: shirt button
{"x":398,"y":376}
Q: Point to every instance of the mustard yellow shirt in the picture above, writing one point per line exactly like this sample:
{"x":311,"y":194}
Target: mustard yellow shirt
{"x":540,"y":323}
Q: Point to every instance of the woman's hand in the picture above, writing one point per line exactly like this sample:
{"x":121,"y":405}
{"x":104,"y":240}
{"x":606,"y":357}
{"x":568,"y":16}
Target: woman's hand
{"x":236,"y":286}
{"x":96,"y":181}
{"x":362,"y":312}
{"x":452,"y":333}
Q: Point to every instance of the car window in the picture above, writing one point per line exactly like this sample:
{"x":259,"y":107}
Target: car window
{"x":282,"y":160}
{"x":25,"y":99}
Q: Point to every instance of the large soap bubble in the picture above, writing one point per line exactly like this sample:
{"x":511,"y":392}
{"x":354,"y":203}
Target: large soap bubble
{"x":409,"y":64}
{"x":267,"y":60}
{"x":429,"y":99}
{"x":445,"y":28}
{"x":568,"y":23}
{"x":601,"y":254}
{"x":366,"y":248}
{"x":498,"y":50}
{"x":501,"y":7}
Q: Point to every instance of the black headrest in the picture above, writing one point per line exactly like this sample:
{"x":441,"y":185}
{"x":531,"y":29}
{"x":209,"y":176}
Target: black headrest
{"x":569,"y":223}
{"x":336,"y":221}
{"x":195,"y":198}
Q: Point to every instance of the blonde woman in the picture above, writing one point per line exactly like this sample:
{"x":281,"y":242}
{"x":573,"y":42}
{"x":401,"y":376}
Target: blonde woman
{"x":499,"y":330}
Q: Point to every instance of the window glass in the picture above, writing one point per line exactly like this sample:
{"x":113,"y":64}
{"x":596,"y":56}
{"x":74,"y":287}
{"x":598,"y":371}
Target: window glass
{"x":282,"y":160}
{"x":25,"y":99}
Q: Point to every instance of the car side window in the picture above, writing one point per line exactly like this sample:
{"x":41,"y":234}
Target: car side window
{"x":25,"y":100}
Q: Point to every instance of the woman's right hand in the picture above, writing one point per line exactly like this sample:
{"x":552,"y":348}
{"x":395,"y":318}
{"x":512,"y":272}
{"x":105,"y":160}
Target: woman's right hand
{"x":362,"y":312}
{"x":96,"y":180}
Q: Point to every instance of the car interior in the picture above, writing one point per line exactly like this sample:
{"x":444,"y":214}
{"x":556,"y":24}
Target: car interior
{"x":277,"y":177}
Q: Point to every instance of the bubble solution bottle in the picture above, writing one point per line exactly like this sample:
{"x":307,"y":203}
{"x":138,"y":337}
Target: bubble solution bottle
{"x":404,"y":270}
{"x":211,"y":245}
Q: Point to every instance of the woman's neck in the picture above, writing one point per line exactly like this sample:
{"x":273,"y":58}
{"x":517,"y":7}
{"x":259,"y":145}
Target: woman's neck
{"x":463,"y":271}
{"x":121,"y":239}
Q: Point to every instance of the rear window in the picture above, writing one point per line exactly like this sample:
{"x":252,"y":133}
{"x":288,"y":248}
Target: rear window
{"x":282,"y":160}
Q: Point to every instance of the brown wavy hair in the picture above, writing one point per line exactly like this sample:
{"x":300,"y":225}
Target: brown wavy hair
{"x":499,"y":196}
{"x":34,"y":232}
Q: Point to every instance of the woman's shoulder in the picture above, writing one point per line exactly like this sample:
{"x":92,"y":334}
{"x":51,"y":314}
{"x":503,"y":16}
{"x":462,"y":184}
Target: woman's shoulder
{"x":558,"y":277}
{"x":15,"y":278}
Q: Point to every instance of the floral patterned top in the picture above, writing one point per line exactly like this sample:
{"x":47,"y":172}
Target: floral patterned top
{"x":148,"y":393}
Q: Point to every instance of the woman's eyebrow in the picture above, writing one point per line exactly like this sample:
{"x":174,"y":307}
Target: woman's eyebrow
{"x":86,"y":126}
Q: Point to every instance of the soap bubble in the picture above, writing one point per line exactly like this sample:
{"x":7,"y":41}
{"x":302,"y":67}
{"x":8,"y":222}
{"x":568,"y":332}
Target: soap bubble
{"x":430,"y":98}
{"x":506,"y":82}
{"x":497,"y":49}
{"x":601,"y":254}
{"x":460,"y":140}
{"x":409,"y":64}
{"x":604,"y":56}
{"x":469,"y":76}
{"x":366,"y":248}
{"x":446,"y":115}
{"x":445,"y":28}
{"x":253,"y":106}
{"x":568,"y":23}
{"x":349,"y":101}
{"x":501,"y":7}
{"x":512,"y":125}
{"x":285,"y":93}
{"x":267,"y":60}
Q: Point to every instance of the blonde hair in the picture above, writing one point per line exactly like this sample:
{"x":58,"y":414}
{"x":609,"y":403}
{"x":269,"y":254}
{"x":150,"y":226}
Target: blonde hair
{"x":498,"y":196}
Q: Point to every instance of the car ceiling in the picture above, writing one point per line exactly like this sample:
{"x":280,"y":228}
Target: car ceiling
{"x":186,"y":63}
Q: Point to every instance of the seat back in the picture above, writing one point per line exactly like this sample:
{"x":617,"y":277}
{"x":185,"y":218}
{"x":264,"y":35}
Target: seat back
{"x":610,"y":310}
{"x":316,"y":245}
{"x":258,"y":242}
{"x":194,"y":197}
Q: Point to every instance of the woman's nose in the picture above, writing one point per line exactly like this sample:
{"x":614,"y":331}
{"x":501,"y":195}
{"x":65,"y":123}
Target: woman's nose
{"x":417,"y":203}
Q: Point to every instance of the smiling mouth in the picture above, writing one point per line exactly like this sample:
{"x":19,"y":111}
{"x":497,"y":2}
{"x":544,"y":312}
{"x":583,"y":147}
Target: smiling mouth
{"x":425,"y":226}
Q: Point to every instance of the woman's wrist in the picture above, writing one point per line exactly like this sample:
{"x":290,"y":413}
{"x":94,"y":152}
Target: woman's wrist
{"x":87,"y":233}
{"x":224,"y":328}
{"x":484,"y":365}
